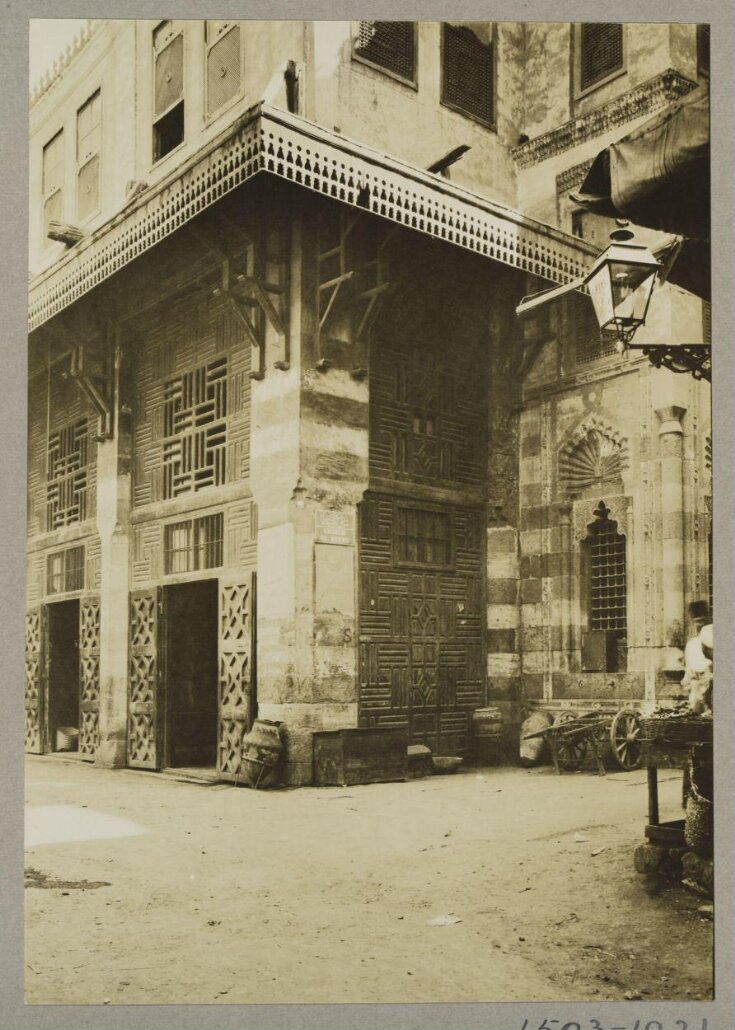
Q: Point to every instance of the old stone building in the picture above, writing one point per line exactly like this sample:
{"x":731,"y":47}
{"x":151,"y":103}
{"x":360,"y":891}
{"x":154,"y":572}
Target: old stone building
{"x":291,"y":452}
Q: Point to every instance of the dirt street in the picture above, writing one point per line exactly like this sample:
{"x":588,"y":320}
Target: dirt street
{"x":144,"y":889}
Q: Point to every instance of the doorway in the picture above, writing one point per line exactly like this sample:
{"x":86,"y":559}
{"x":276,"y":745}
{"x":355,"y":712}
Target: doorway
{"x":63,"y":676}
{"x":190,"y":734}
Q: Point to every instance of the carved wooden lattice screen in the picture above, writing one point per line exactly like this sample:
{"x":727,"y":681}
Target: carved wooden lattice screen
{"x":236,"y":672}
{"x":144,"y":729}
{"x":89,"y":676}
{"x":35,"y":661}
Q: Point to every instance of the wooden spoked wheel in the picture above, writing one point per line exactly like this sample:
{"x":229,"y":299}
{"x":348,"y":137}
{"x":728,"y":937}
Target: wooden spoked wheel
{"x":570,"y":752}
{"x":625,"y":738}
{"x":565,"y":715}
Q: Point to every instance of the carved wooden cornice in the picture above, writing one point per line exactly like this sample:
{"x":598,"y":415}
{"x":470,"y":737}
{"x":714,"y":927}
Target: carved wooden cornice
{"x":289,"y":147}
{"x":644,"y":99}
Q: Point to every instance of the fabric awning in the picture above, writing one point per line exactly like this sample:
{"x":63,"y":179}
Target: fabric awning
{"x":657,"y":176}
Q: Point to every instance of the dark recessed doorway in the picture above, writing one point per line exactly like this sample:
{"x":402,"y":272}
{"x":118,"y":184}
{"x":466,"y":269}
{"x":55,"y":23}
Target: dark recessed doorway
{"x":190,"y":738}
{"x":63,"y":676}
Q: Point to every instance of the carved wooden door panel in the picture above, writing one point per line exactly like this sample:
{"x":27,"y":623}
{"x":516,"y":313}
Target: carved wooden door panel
{"x":36,"y":678}
{"x":145,"y":711}
{"x":89,"y":676}
{"x":421,"y":629}
{"x":236,"y":672}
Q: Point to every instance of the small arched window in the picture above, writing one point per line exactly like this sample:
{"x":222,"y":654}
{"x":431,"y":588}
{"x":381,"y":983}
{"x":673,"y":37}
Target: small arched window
{"x":605,"y":595}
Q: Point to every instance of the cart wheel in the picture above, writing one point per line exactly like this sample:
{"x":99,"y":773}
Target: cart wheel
{"x":570,"y":754}
{"x":565,"y":715}
{"x":625,"y":742}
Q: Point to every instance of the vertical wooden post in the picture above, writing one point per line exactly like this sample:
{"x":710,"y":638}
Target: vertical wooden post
{"x":113,"y":523}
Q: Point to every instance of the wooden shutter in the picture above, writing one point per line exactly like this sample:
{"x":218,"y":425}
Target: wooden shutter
{"x":223,"y":65}
{"x":390,"y":45}
{"x":36,"y":654}
{"x":145,"y":730}
{"x":89,"y":676}
{"x":601,"y":52}
{"x":236,"y":671}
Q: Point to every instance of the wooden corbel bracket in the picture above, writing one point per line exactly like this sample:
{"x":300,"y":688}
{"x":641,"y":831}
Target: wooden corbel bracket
{"x":92,"y":374}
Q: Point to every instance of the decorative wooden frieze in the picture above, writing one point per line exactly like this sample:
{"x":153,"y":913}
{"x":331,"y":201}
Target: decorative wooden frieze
{"x":570,"y":178}
{"x":291,"y":148}
{"x":644,"y":99}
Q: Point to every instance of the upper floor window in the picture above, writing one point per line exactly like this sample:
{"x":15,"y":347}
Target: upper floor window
{"x":703,"y":49}
{"x":89,"y":131}
{"x":53,"y":181}
{"x":589,"y":343}
{"x":168,"y":89}
{"x":390,"y":45}
{"x":600,"y":53}
{"x":467,"y":69}
{"x":65,"y":571}
{"x":222,"y":42}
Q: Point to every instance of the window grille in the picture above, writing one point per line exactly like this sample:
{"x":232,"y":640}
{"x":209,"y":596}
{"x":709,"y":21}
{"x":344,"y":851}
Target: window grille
{"x":65,"y":571}
{"x":703,"y":49}
{"x":423,"y":537}
{"x":195,"y":429}
{"x":467,"y":70}
{"x":390,"y":45}
{"x":601,"y":52}
{"x":194,"y":544}
{"x":53,"y":181}
{"x":168,"y":91}
{"x":707,"y":321}
{"x":223,"y":63}
{"x":89,"y":132}
{"x":589,"y":343}
{"x":607,"y":590}
{"x":66,"y":491}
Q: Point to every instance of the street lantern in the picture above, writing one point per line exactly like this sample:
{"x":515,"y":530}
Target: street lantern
{"x":620,"y":284}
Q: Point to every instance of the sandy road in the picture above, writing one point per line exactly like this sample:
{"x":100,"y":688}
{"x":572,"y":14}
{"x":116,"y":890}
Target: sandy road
{"x":148,"y":890}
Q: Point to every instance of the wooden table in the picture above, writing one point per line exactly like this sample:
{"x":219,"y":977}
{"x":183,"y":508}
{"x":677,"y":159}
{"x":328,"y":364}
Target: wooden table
{"x":670,"y":743}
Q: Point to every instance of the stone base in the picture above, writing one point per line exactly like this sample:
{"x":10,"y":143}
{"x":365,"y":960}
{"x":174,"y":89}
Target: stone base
{"x":111,"y":754}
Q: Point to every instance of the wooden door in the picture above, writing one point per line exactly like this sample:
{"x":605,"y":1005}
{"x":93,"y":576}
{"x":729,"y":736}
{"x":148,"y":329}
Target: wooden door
{"x":36,"y":677}
{"x":236,"y":686}
{"x":421,"y":663}
{"x":145,"y":722}
{"x":89,"y":676}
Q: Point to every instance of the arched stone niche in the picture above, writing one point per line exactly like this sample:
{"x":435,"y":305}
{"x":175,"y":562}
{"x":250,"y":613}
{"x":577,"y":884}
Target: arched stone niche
{"x":594,"y":455}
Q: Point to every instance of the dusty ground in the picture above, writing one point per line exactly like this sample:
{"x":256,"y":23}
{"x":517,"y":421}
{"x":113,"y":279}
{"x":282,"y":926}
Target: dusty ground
{"x":189,"y":893}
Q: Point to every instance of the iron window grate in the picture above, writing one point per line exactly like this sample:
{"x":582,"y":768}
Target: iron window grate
{"x":195,"y":429}
{"x":423,"y":537}
{"x":589,"y":343}
{"x":467,"y":72}
{"x":66,"y":490}
{"x":607,"y":574}
{"x":65,"y":571}
{"x":601,"y":52}
{"x":390,"y":45}
{"x":194,"y":544}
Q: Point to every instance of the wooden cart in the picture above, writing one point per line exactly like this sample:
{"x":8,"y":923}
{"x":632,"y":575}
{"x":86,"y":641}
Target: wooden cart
{"x":571,"y":736}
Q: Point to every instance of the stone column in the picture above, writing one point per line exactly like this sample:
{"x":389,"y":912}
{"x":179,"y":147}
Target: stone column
{"x":309,"y":454}
{"x":114,"y":461}
{"x":671,"y":447}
